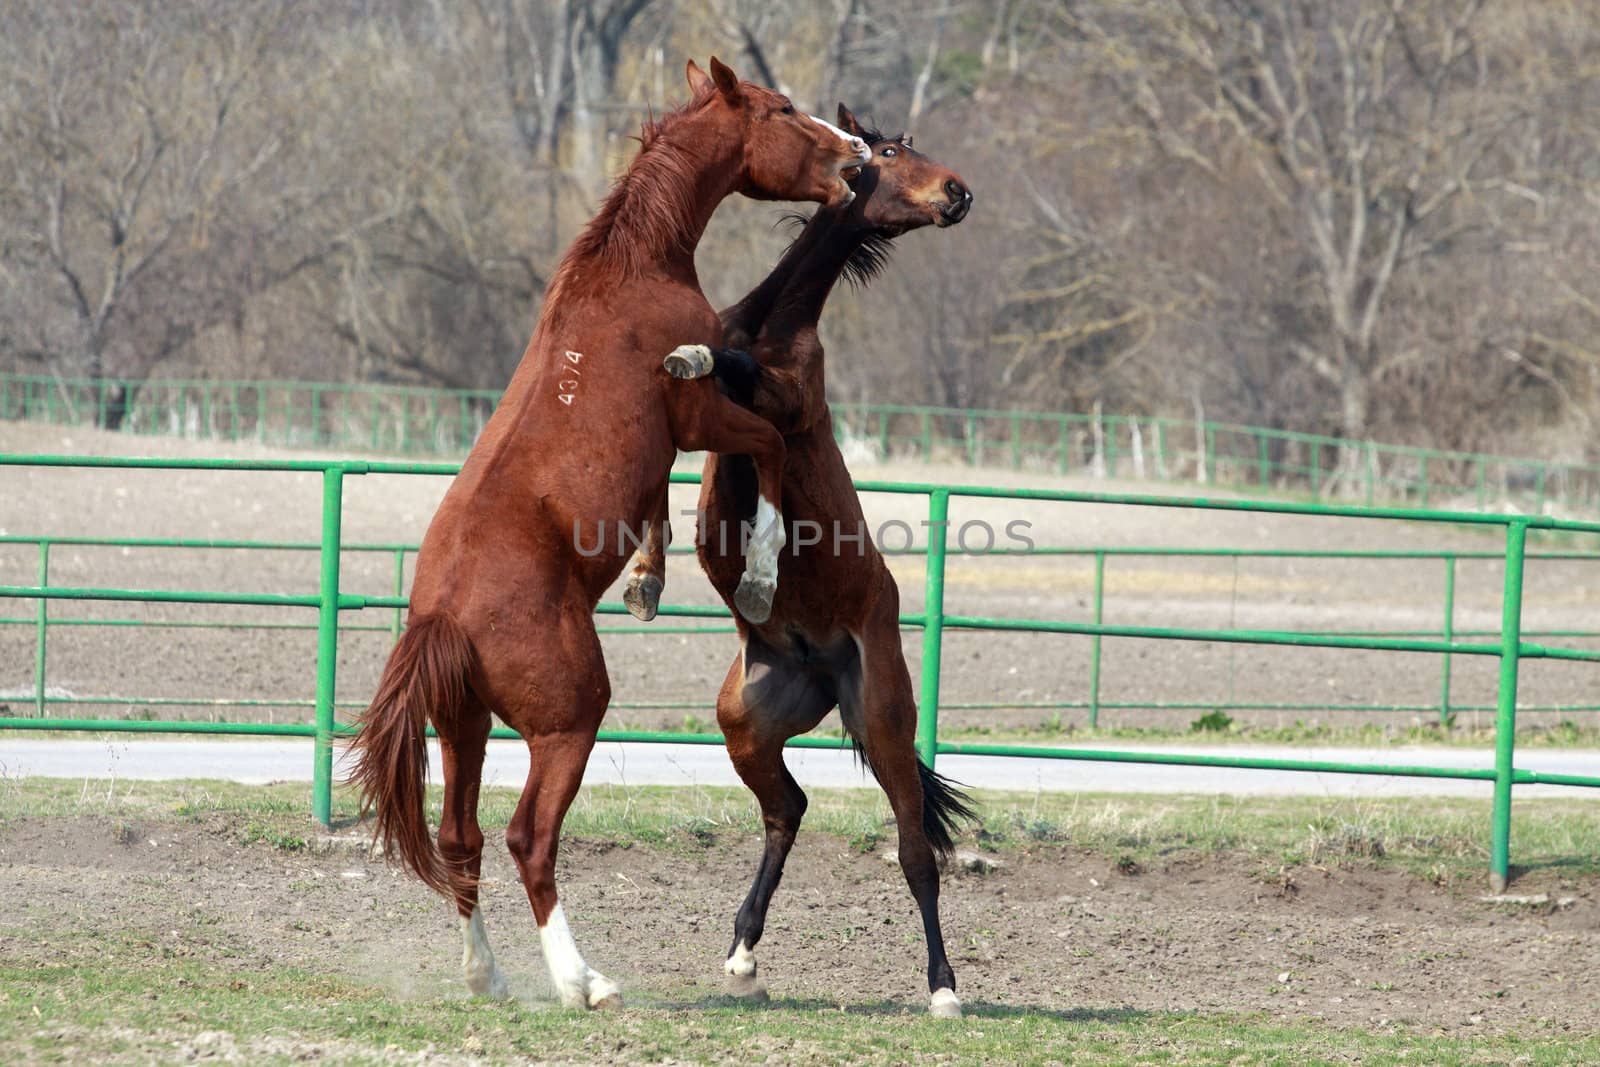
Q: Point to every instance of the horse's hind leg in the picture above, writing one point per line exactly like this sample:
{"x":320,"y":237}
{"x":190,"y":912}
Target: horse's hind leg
{"x":879,"y":711}
{"x":648,"y":575}
{"x":558,"y":710}
{"x":461,"y":841}
{"x":703,"y":420}
{"x":763,"y":703}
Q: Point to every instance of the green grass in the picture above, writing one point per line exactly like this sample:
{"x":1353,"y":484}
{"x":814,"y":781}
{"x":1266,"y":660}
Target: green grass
{"x":1444,"y":840}
{"x":114,"y":997}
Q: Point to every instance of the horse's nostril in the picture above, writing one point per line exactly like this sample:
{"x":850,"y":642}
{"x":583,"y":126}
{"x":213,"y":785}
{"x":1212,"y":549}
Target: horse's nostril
{"x":955,"y":190}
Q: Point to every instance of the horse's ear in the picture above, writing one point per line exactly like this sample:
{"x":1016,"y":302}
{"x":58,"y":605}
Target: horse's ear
{"x":699,"y":81}
{"x":725,"y":78}
{"x":848,"y":123}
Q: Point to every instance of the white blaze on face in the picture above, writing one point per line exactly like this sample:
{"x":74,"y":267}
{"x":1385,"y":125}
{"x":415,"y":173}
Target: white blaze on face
{"x":863,"y":153}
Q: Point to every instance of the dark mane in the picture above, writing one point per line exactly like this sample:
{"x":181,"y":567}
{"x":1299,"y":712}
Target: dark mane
{"x":869,"y":259}
{"x":642,"y":218}
{"x":873,"y":247}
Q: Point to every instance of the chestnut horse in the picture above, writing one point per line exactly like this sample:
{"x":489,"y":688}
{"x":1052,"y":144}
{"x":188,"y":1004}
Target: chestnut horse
{"x":833,"y":637}
{"x":518,"y":554}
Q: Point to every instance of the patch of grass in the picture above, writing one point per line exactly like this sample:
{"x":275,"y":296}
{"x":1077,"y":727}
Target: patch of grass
{"x":1214,"y":721}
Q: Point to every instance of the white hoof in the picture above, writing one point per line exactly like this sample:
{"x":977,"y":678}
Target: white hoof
{"x":688,"y":361}
{"x":754,"y":598}
{"x":603,"y":992}
{"x":742,"y":964}
{"x":944,"y":1004}
{"x":643,"y":596}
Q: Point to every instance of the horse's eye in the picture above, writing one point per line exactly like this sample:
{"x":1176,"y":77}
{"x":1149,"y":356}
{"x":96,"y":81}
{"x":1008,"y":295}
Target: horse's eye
{"x":787,"y":109}
{"x":888,"y":151}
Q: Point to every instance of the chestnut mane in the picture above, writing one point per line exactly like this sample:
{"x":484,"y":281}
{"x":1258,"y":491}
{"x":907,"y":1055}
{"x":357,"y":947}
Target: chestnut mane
{"x":642,"y":219}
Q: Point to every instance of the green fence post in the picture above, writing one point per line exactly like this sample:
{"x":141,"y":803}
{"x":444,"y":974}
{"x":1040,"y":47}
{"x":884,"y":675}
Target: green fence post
{"x":972,"y":442}
{"x":1263,"y":475}
{"x":43,"y":624}
{"x":1426,"y":494}
{"x":932,"y":627}
{"x":1505,"y":727}
{"x":883,"y":434}
{"x":1449,"y":635}
{"x":1016,"y":440}
{"x":1094,"y":642}
{"x":1316,"y":470}
{"x":327,"y":645}
{"x":927,"y":436}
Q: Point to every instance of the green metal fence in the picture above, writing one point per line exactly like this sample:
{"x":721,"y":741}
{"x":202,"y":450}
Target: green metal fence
{"x":1445,"y":708}
{"x":403,"y":420}
{"x":1509,"y":645}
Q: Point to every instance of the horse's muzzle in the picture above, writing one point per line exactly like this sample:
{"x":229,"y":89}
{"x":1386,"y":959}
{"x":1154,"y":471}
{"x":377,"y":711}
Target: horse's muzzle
{"x":960,"y":203}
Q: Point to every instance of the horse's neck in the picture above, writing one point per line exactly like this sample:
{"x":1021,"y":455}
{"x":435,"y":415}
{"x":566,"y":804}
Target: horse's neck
{"x":660,"y":207}
{"x":743,"y":322}
{"x":798,"y":305}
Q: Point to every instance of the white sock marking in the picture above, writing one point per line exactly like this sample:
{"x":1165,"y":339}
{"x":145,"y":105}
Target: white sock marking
{"x":477,"y":959}
{"x":576,"y":984}
{"x":742,"y":964}
{"x":761,"y":560}
{"x":944,"y":1004}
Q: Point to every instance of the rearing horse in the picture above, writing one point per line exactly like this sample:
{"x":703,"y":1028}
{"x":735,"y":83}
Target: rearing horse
{"x":833,"y":638}
{"x":518,"y":554}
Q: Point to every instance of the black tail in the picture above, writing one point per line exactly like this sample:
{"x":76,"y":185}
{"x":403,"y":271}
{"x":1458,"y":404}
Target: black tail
{"x":944,"y":805}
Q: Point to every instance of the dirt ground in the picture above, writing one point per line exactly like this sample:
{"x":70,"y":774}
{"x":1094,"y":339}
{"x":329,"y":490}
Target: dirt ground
{"x":93,"y":659}
{"x":1053,"y":929}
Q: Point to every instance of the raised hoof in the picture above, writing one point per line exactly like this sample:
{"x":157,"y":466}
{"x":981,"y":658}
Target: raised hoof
{"x":747,"y":987}
{"x":944,"y":1005}
{"x":643,"y":596}
{"x":688,"y":361}
{"x":753,"y":598}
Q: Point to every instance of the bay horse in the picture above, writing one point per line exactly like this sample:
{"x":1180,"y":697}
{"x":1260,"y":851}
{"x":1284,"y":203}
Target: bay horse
{"x":517,"y":556}
{"x":833,"y":637}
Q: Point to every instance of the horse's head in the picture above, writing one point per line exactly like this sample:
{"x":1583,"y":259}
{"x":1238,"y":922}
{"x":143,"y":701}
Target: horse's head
{"x":902,"y":189}
{"x":788,"y":155}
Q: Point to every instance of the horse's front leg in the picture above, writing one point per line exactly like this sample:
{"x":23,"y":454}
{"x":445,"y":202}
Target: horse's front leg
{"x":704,"y":420}
{"x":648,"y":575}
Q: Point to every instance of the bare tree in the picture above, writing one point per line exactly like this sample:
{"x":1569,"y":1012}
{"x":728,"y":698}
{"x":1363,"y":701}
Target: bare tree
{"x":1370,"y":125}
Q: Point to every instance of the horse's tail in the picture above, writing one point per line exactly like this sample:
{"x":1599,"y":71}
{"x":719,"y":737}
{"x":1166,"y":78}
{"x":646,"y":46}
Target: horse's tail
{"x":426,"y":678}
{"x":944,"y":805}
